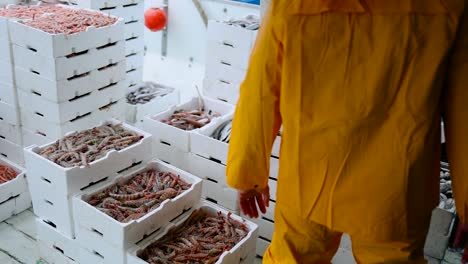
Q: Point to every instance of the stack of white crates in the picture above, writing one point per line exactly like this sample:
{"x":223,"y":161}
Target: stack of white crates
{"x":132,"y":12}
{"x":68,"y":82}
{"x":52,"y":188}
{"x":14,"y":194}
{"x":10,"y":123}
{"x":228,"y":53}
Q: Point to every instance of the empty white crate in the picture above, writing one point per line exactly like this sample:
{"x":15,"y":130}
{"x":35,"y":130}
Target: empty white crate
{"x":221,"y":90}
{"x":136,"y":113}
{"x":11,"y":151}
{"x":66,"y":181}
{"x":37,"y":123}
{"x":61,"y":45}
{"x":10,"y":132}
{"x":75,"y":107}
{"x":64,"y":90}
{"x":54,"y":240}
{"x":179,"y":138}
{"x":16,"y":186}
{"x":14,"y":205}
{"x":68,"y":67}
{"x":99,"y":232}
{"x":236,"y":255}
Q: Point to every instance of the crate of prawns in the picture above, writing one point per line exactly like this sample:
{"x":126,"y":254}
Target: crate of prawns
{"x":134,"y":205}
{"x":205,"y":234}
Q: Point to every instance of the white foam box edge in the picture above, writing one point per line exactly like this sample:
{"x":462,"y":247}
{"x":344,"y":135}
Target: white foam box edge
{"x":136,"y":113}
{"x":55,"y":130}
{"x":64,"y":90}
{"x":134,"y":77}
{"x":54,"y":240}
{"x":99,"y":232}
{"x":172,"y":156}
{"x":207,"y":169}
{"x":34,"y":138}
{"x":227,"y":54}
{"x":135,"y":28}
{"x":10,"y":132}
{"x":8,"y":93}
{"x":221,"y":195}
{"x":65,"y":111}
{"x":59,"y":45}
{"x":11,"y":151}
{"x":224,"y":34}
{"x":16,"y":186}
{"x":204,"y":145}
{"x":219,"y":70}
{"x":14,"y":206}
{"x":63,"y":68}
{"x":53,"y":255}
{"x":179,"y":138}
{"x":221,"y":90}
{"x":6,"y":74}
{"x":239,"y":252}
{"x":51,"y":206}
{"x":70,"y":180}
{"x":262,"y":246}
{"x":98,"y":4}
{"x":134,"y":60}
{"x":9,"y":113}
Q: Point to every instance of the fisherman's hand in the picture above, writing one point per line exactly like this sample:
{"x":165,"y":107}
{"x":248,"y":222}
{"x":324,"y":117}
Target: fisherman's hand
{"x":460,"y":238}
{"x":249,"y":200}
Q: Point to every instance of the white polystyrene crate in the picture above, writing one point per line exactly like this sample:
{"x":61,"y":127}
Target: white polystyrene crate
{"x":171,"y":155}
{"x":227,"y":54}
{"x":221,"y":195}
{"x":129,"y":12}
{"x":134,"y":28}
{"x":99,"y":4}
{"x":6,"y":72}
{"x":273,"y":188}
{"x":265,"y":223}
{"x":60,"y":45}
{"x":9,"y":113}
{"x":234,"y":256}
{"x":54,"y":240}
{"x":10,"y":132}
{"x":64,"y":90}
{"x":274,"y":168}
{"x":53,"y":255}
{"x":96,"y":231}
{"x":14,"y":206}
{"x":236,"y":37}
{"x":249,"y":259}
{"x":134,"y":77}
{"x":262,"y":246}
{"x":5,"y":51}
{"x":4,"y":28}
{"x":94,"y":257}
{"x":221,"y":90}
{"x":65,"y":68}
{"x":134,"y":60}
{"x":442,"y":133}
{"x":11,"y":151}
{"x":8,"y":94}
{"x":16,"y":186}
{"x":179,"y":138}
{"x":37,"y":123}
{"x":275,"y":152}
{"x":207,"y":169}
{"x":204,"y":145}
{"x":78,"y":106}
{"x":70,"y":180}
{"x":136,"y":113}
{"x":34,"y":138}
{"x":216,"y":70}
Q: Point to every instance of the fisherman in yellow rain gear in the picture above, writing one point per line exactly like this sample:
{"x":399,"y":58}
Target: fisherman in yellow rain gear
{"x":359,"y":87}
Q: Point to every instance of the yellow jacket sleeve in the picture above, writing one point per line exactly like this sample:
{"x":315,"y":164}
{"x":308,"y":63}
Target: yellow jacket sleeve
{"x":257,"y":118}
{"x":456,"y":118}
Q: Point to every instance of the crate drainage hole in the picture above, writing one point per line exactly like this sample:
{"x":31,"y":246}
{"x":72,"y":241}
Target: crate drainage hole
{"x":97,"y":254}
{"x":50,"y":223}
{"x":59,"y":250}
{"x":107,"y":45}
{"x":46,"y":180}
{"x":97,"y":232}
{"x":79,"y":117}
{"x":211,"y":200}
{"x":93,"y":183}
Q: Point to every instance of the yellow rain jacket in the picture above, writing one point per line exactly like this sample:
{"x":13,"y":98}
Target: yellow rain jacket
{"x":359,"y":88}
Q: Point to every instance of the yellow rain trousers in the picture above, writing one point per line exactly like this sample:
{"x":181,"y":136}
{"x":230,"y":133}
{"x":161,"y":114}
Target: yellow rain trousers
{"x":359,"y":87}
